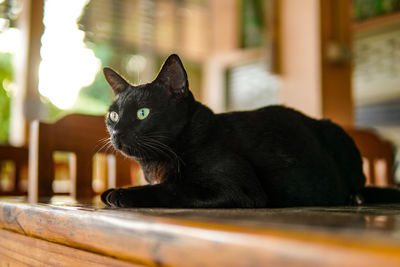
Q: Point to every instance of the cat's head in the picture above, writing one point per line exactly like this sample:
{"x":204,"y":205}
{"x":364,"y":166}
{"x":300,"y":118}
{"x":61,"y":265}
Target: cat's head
{"x":145,"y":120}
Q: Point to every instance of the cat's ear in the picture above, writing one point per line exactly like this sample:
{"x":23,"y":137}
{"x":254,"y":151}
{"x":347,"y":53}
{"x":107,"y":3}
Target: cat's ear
{"x":117,"y":83}
{"x":173,"y":76}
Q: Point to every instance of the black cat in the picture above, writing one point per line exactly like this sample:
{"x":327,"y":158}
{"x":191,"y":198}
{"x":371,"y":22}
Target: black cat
{"x":270,"y":157}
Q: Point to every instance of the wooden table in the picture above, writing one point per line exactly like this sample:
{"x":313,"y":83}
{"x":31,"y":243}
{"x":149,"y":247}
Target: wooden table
{"x":89,"y":235}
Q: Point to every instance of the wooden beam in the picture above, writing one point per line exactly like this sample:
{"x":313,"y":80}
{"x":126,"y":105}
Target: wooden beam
{"x":301,"y":69}
{"x":316,"y":69}
{"x":26,"y":104}
{"x":335,"y":49}
{"x":224,"y":41}
{"x":273,"y":13}
{"x":224,"y":25}
{"x":164,"y":237}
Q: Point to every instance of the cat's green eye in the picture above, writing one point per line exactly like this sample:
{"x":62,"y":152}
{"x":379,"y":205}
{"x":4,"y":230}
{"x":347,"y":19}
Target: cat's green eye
{"x":113,"y":116}
{"x":143,"y":113}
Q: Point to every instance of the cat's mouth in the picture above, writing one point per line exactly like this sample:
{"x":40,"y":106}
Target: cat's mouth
{"x":125,"y":149}
{"x":129,"y":151}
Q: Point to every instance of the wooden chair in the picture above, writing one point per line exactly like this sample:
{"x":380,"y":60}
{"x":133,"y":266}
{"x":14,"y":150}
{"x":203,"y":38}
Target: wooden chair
{"x":377,"y":156}
{"x":19,"y":157}
{"x":81,"y":135}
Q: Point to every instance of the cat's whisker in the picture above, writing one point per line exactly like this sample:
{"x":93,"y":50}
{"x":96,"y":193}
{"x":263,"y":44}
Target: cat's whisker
{"x":144,"y":152}
{"x":151,"y":146}
{"x":155,"y":148}
{"x":164,"y":148}
{"x":163,"y":137}
{"x":125,"y":158}
{"x":107,"y":142}
{"x":109,"y":147}
{"x":155,"y":144}
{"x":101,"y":142}
{"x":136,"y":151}
{"x":162,"y":134}
{"x":167,"y":148}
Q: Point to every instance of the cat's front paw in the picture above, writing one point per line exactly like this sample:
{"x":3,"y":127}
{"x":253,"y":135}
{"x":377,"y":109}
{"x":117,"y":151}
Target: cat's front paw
{"x":112,"y":197}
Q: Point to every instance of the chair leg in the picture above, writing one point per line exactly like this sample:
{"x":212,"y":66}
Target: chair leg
{"x":372,"y":172}
{"x":17,"y":176}
{"x":40,"y":172}
{"x":123,"y":172}
{"x":84,"y":174}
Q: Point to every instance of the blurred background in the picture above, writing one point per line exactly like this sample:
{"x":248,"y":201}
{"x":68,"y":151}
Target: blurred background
{"x":337,"y":59}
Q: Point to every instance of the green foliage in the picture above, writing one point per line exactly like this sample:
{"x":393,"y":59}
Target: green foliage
{"x":5,"y":75}
{"x":363,"y":9}
{"x":252,"y":28}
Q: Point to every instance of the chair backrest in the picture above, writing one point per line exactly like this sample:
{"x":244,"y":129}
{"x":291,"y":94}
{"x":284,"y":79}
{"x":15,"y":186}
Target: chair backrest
{"x":76,"y":133}
{"x":19,"y":157}
{"x":377,"y":156}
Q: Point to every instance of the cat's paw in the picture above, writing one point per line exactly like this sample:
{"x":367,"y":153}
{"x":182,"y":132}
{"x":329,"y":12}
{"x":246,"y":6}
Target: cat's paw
{"x":112,"y":197}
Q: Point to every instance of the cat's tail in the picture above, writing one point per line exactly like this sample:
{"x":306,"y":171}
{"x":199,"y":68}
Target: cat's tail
{"x":375,"y":195}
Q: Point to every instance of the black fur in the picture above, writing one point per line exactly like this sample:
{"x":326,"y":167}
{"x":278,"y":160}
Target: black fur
{"x":270,"y":157}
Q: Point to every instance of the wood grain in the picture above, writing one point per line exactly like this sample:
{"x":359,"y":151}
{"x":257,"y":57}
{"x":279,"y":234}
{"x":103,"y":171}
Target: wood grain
{"x":20,"y":250}
{"x":178,"y":241}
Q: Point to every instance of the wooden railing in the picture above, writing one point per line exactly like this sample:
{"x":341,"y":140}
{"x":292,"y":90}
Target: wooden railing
{"x":81,"y":235}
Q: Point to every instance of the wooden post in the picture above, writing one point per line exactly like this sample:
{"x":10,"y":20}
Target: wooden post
{"x":124,"y":171}
{"x":40,"y":140}
{"x":224,"y":40}
{"x":301,"y":87}
{"x":316,"y":72}
{"x":224,"y":25}
{"x":335,"y":43}
{"x":26,"y":105}
{"x":84,"y":175}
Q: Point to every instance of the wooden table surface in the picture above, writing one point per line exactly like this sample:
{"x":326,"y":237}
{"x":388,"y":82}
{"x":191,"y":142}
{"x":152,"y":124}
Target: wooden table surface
{"x":313,"y":236}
